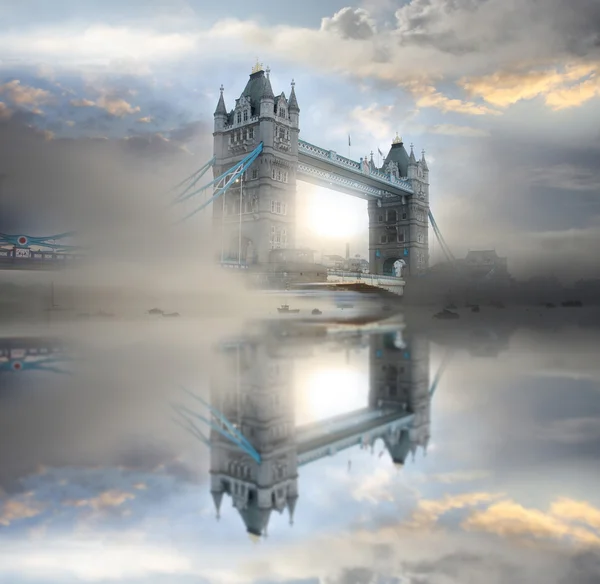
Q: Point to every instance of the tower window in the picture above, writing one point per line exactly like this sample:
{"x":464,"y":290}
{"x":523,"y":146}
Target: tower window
{"x":392,"y":216}
{"x":245,"y":115}
{"x":403,"y":215}
{"x":251,"y":133}
{"x":401,"y":236}
{"x":239,"y":117}
{"x":273,"y":174}
{"x":255,"y":173}
{"x":383,"y":239}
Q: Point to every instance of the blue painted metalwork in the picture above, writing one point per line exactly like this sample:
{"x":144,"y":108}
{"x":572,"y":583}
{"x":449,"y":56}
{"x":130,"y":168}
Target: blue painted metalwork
{"x":449,"y":256}
{"x":39,"y":364}
{"x":440,"y":372}
{"x":227,"y":430}
{"x":194,"y":178}
{"x":222,"y":183}
{"x":25,"y":241}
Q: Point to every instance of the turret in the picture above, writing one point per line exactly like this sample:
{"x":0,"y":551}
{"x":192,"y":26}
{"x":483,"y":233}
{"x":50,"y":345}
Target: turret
{"x":412,"y":164}
{"x":293,"y":107}
{"x":220,"y":113}
{"x":267,"y":98}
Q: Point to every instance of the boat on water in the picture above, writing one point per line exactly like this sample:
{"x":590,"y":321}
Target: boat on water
{"x":285,"y":309}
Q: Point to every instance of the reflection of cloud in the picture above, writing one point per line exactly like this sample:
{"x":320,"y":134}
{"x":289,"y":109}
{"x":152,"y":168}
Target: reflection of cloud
{"x":375,"y":487}
{"x":509,"y":519}
{"x":429,"y":511}
{"x":570,"y":431}
{"x":17,"y":508}
{"x":5,"y":111}
{"x":106,"y":500}
{"x":23,"y":95}
{"x":144,"y":120}
{"x":459,"y":477}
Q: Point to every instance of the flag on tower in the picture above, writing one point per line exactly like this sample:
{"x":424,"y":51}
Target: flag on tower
{"x":380,"y":152}
{"x":349,"y":142}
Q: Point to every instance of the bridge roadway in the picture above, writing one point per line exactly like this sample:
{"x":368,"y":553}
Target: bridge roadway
{"x":26,"y":259}
{"x":19,"y":347}
{"x":320,"y":439}
{"x":326,"y":168}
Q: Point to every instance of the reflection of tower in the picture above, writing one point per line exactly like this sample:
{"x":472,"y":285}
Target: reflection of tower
{"x":399,"y":377}
{"x":254,"y":393}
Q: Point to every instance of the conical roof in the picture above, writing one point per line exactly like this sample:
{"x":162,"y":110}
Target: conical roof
{"x":293,"y":102}
{"x":221,"y":109}
{"x":399,"y":155}
{"x":257,"y":88}
{"x":399,"y":451}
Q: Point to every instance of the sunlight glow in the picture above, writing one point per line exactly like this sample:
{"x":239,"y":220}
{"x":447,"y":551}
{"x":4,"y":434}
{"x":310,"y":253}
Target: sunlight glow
{"x":335,"y":215}
{"x":328,"y":392}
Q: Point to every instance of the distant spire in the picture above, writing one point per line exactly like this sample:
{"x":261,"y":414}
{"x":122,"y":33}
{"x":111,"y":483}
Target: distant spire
{"x":217,"y":498}
{"x":268,"y":71}
{"x":293,"y":102}
{"x":423,"y":161}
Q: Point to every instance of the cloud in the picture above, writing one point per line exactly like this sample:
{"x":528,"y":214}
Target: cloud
{"x":145,"y":120}
{"x":453,"y":130}
{"x":82,"y":103}
{"x":577,"y":512}
{"x":25,"y":96}
{"x":117,"y":46}
{"x":106,"y":500}
{"x":426,"y":96}
{"x":509,"y":519}
{"x":350,"y":23}
{"x":571,"y":87}
{"x":5,"y":111}
{"x":114,"y":106}
{"x":428,"y":512}
{"x":18,"y":508}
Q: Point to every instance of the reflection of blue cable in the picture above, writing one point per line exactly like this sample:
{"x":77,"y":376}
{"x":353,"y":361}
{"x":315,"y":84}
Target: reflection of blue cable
{"x":43,"y":364}
{"x":25,"y":241}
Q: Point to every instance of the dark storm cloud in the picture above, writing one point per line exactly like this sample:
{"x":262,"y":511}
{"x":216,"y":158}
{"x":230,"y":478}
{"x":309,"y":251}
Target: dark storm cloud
{"x":350,"y":23}
{"x":460,"y":27}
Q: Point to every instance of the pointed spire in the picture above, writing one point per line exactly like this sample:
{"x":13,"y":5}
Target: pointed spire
{"x":412,"y":159}
{"x":221,"y":109}
{"x":267,"y":92}
{"x":423,"y":161}
{"x":268,"y":71}
{"x":217,"y":498}
{"x":293,"y":102}
{"x":291,"y":505}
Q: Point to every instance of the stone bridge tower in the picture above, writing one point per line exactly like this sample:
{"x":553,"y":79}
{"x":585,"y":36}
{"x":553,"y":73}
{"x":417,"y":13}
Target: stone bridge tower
{"x":254,"y":392}
{"x":268,"y":190}
{"x":398,"y":226}
{"x":399,"y":378}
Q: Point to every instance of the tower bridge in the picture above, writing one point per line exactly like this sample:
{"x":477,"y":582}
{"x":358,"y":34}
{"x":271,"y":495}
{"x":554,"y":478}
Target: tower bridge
{"x":256,"y":447}
{"x":258,"y":160}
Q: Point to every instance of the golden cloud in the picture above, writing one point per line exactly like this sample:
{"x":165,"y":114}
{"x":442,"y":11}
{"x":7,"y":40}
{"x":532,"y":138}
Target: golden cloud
{"x":17,"y":509}
{"x":5,"y":111}
{"x":115,"y":106}
{"x":509,"y":519}
{"x":23,"y":95}
{"x":106,"y":500}
{"x":576,"y":84}
{"x":429,"y":510}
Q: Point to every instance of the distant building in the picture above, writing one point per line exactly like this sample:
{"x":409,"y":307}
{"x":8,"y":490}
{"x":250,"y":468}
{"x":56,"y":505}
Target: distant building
{"x":333,"y":262}
{"x":484,"y":264}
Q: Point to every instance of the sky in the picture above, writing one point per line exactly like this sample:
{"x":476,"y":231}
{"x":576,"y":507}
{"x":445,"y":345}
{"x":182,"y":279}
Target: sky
{"x":104,"y":106}
{"x":101,"y":486}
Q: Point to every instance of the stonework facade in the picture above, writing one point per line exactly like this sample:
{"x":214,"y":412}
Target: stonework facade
{"x":399,"y":226}
{"x":267,"y":193}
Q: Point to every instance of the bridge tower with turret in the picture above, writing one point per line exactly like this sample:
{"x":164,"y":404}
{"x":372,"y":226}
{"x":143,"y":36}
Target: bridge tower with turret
{"x":267,"y":192}
{"x":398,"y":225}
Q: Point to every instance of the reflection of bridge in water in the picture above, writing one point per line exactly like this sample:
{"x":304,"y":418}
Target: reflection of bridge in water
{"x":257,"y":448}
{"x":19,"y":354}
